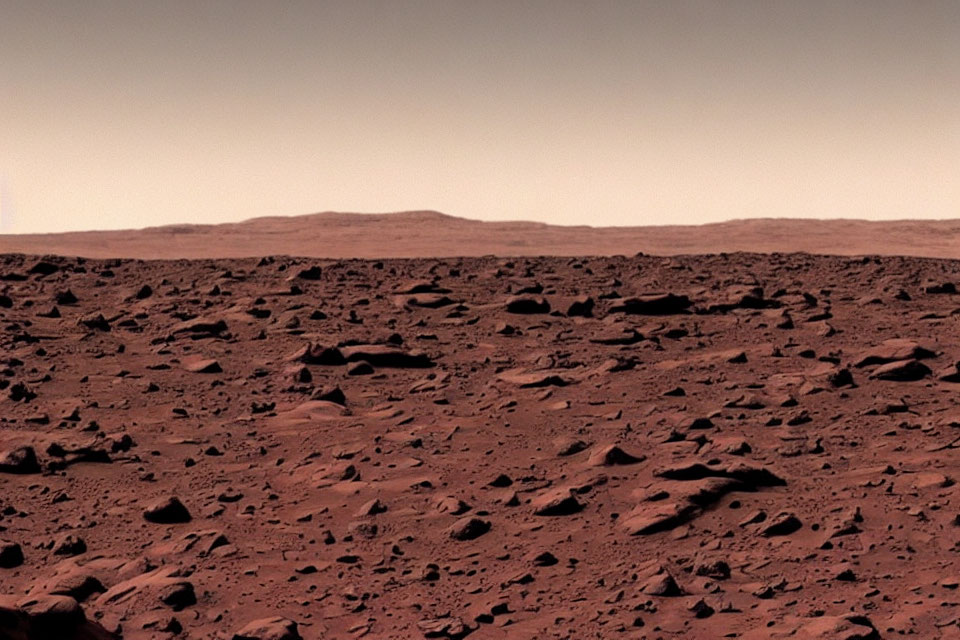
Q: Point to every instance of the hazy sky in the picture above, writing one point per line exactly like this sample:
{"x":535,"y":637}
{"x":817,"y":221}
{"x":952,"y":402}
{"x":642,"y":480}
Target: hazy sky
{"x":126,"y":114}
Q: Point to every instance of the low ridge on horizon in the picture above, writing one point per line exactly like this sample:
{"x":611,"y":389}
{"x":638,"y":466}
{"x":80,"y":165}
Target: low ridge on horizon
{"x":430,"y":233}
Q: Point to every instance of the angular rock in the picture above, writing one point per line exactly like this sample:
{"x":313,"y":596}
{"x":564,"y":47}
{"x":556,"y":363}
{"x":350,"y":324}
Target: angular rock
{"x":662,"y":584}
{"x":612,"y":455}
{"x":581,"y":307}
{"x":167,"y":511}
{"x":11,"y":555}
{"x":560,"y":502}
{"x":783,"y":524}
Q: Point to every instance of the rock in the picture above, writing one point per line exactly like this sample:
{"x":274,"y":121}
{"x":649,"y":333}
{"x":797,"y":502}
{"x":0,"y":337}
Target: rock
{"x":752,"y":475}
{"x":468,"y":528}
{"x":646,"y":520}
{"x":420,"y":286}
{"x":148,"y":590}
{"x":716,"y":570}
{"x":202,"y":365}
{"x":545,"y":559}
{"x":276,"y":628}
{"x":371,"y":508}
{"x":21,"y":460}
{"x":743,"y":297}
{"x":427,"y":300}
{"x":11,"y":555}
{"x":894,"y":350}
{"x":611,"y":455}
{"x":167,"y":511}
{"x":653,"y":305}
{"x":44,"y":268}
{"x":623,"y":336}
{"x":782,"y":524}
{"x":78,"y":582}
{"x":940,"y":288}
{"x":902,"y":371}
{"x":847,"y":627}
{"x":52,"y":612}
{"x":201,"y":327}
{"x":452,"y":505}
{"x":178,"y":595}
{"x":447,"y":627}
{"x":559,"y":502}
{"x":360,"y":368}
{"x":570,"y":446}
{"x":330,"y":394}
{"x":318,"y":354}
{"x":698,"y":486}
{"x":527,"y":305}
{"x":840,"y":378}
{"x":313,"y":273}
{"x":94,"y":321}
{"x":505,"y":329}
{"x":20,"y":392}
{"x":950,"y":373}
{"x":662,"y":584}
{"x":48,"y":617}
{"x":581,"y":307}
{"x":65,"y":297}
{"x":387,"y":356}
{"x":533,"y":379}
{"x":701,"y":609}
{"x":69,"y":545}
{"x":501,"y":481}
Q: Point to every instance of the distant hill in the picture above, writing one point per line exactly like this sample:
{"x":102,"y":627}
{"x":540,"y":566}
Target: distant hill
{"x":432,"y":234}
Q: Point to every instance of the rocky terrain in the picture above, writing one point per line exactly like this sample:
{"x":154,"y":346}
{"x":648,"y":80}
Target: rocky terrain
{"x":417,"y":234}
{"x":728,"y":446}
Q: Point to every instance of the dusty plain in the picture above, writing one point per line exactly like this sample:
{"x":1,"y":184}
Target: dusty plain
{"x":743,"y":445}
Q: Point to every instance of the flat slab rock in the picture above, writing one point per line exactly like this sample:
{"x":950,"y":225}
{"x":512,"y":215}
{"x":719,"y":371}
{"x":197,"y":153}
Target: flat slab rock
{"x":276,"y":628}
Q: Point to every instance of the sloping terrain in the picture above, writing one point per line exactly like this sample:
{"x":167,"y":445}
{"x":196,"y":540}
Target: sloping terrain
{"x":426,"y":234}
{"x":746,"y":446}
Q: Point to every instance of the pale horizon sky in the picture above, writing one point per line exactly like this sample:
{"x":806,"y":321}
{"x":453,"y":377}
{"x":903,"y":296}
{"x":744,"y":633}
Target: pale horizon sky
{"x":121,"y":114}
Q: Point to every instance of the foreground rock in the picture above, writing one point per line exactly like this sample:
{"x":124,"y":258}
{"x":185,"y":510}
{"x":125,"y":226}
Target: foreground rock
{"x":47,"y":617}
{"x":21,"y":460}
